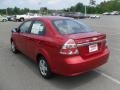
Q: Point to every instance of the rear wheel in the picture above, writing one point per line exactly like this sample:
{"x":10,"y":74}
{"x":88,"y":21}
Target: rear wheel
{"x":13,"y":47}
{"x":4,"y":20}
{"x":44,"y":68}
{"x":16,"y":20}
{"x":21,"y":19}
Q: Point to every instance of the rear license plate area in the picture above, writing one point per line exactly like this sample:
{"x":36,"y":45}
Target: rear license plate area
{"x":93,"y":48}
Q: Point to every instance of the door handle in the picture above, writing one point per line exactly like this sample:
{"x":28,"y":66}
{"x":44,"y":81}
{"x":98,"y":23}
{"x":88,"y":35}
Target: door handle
{"x":31,"y":39}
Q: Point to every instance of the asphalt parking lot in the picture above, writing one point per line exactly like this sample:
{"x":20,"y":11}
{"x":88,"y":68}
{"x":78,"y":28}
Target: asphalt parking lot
{"x":17,"y":72}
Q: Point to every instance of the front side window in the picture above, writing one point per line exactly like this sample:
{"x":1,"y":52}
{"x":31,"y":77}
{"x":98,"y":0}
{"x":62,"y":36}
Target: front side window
{"x":25,"y":27}
{"x":66,"y":26}
{"x":38,"y":28}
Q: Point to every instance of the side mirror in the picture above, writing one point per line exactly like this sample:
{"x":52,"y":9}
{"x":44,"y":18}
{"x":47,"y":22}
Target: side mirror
{"x":14,"y":30}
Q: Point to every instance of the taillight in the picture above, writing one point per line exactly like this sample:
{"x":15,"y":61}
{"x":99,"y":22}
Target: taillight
{"x":69,"y":48}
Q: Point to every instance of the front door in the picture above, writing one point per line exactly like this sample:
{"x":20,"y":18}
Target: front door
{"x":22,"y":36}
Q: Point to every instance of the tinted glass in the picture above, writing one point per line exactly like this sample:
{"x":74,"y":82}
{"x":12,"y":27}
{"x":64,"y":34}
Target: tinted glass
{"x":25,"y":27}
{"x":38,"y":28}
{"x":71,"y":26}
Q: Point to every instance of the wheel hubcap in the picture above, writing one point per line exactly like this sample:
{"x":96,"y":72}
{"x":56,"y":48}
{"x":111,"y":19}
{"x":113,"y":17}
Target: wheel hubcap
{"x":13,"y":47}
{"x":21,"y":19}
{"x":43,"y":67}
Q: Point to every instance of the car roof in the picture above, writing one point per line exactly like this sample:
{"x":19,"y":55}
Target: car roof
{"x":50,"y":18}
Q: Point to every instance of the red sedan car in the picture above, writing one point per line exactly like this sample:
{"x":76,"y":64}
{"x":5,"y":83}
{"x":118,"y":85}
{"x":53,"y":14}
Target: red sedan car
{"x":60,"y":45}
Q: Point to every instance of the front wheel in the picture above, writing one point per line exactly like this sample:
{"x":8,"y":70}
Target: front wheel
{"x":44,"y":68}
{"x":13,"y":47}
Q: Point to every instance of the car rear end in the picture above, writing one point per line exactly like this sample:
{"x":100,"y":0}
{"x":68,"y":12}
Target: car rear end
{"x":81,"y":52}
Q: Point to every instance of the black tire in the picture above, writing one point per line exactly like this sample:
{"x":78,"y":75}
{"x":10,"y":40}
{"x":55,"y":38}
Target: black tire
{"x":13,"y":47}
{"x":44,"y":68}
{"x":22,"y":19}
{"x":4,"y":20}
{"x":16,"y":20}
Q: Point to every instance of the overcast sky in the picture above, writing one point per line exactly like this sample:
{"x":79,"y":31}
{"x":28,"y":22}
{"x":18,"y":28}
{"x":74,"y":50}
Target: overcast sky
{"x":36,"y":4}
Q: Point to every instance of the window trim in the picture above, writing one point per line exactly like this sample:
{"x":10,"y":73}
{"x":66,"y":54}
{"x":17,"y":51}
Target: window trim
{"x":57,"y":29}
{"x":40,"y":22}
{"x":28,"y":28}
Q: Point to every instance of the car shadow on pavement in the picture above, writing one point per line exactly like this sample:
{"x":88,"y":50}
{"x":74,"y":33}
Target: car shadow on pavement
{"x":69,"y":83}
{"x":61,"y":82}
{"x":29,"y":63}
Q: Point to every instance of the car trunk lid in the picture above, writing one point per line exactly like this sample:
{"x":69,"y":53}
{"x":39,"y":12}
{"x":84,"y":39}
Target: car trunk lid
{"x":89,"y":44}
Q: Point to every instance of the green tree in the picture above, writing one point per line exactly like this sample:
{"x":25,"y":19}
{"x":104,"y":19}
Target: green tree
{"x":92,"y":2}
{"x":16,"y":10}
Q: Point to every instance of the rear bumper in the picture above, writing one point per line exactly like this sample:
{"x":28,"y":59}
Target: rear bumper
{"x":72,"y":66}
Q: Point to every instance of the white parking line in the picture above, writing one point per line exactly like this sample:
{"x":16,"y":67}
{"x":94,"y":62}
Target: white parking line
{"x":114,"y":34}
{"x":107,"y":76}
{"x":116,"y":49}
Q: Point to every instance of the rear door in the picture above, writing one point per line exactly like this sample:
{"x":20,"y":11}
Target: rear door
{"x":35,"y":38}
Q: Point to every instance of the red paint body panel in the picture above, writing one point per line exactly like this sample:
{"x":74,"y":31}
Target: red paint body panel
{"x":75,"y":65}
{"x":51,"y":43}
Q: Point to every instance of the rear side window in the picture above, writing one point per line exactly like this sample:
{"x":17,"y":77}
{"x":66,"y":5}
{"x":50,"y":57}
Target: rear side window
{"x":38,"y":28}
{"x":67,"y":26}
{"x":25,"y":27}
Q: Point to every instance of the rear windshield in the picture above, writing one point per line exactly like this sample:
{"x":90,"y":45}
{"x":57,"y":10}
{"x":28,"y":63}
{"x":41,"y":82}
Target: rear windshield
{"x":66,"y":26}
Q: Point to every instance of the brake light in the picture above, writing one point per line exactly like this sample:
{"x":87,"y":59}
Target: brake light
{"x":69,"y":48}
